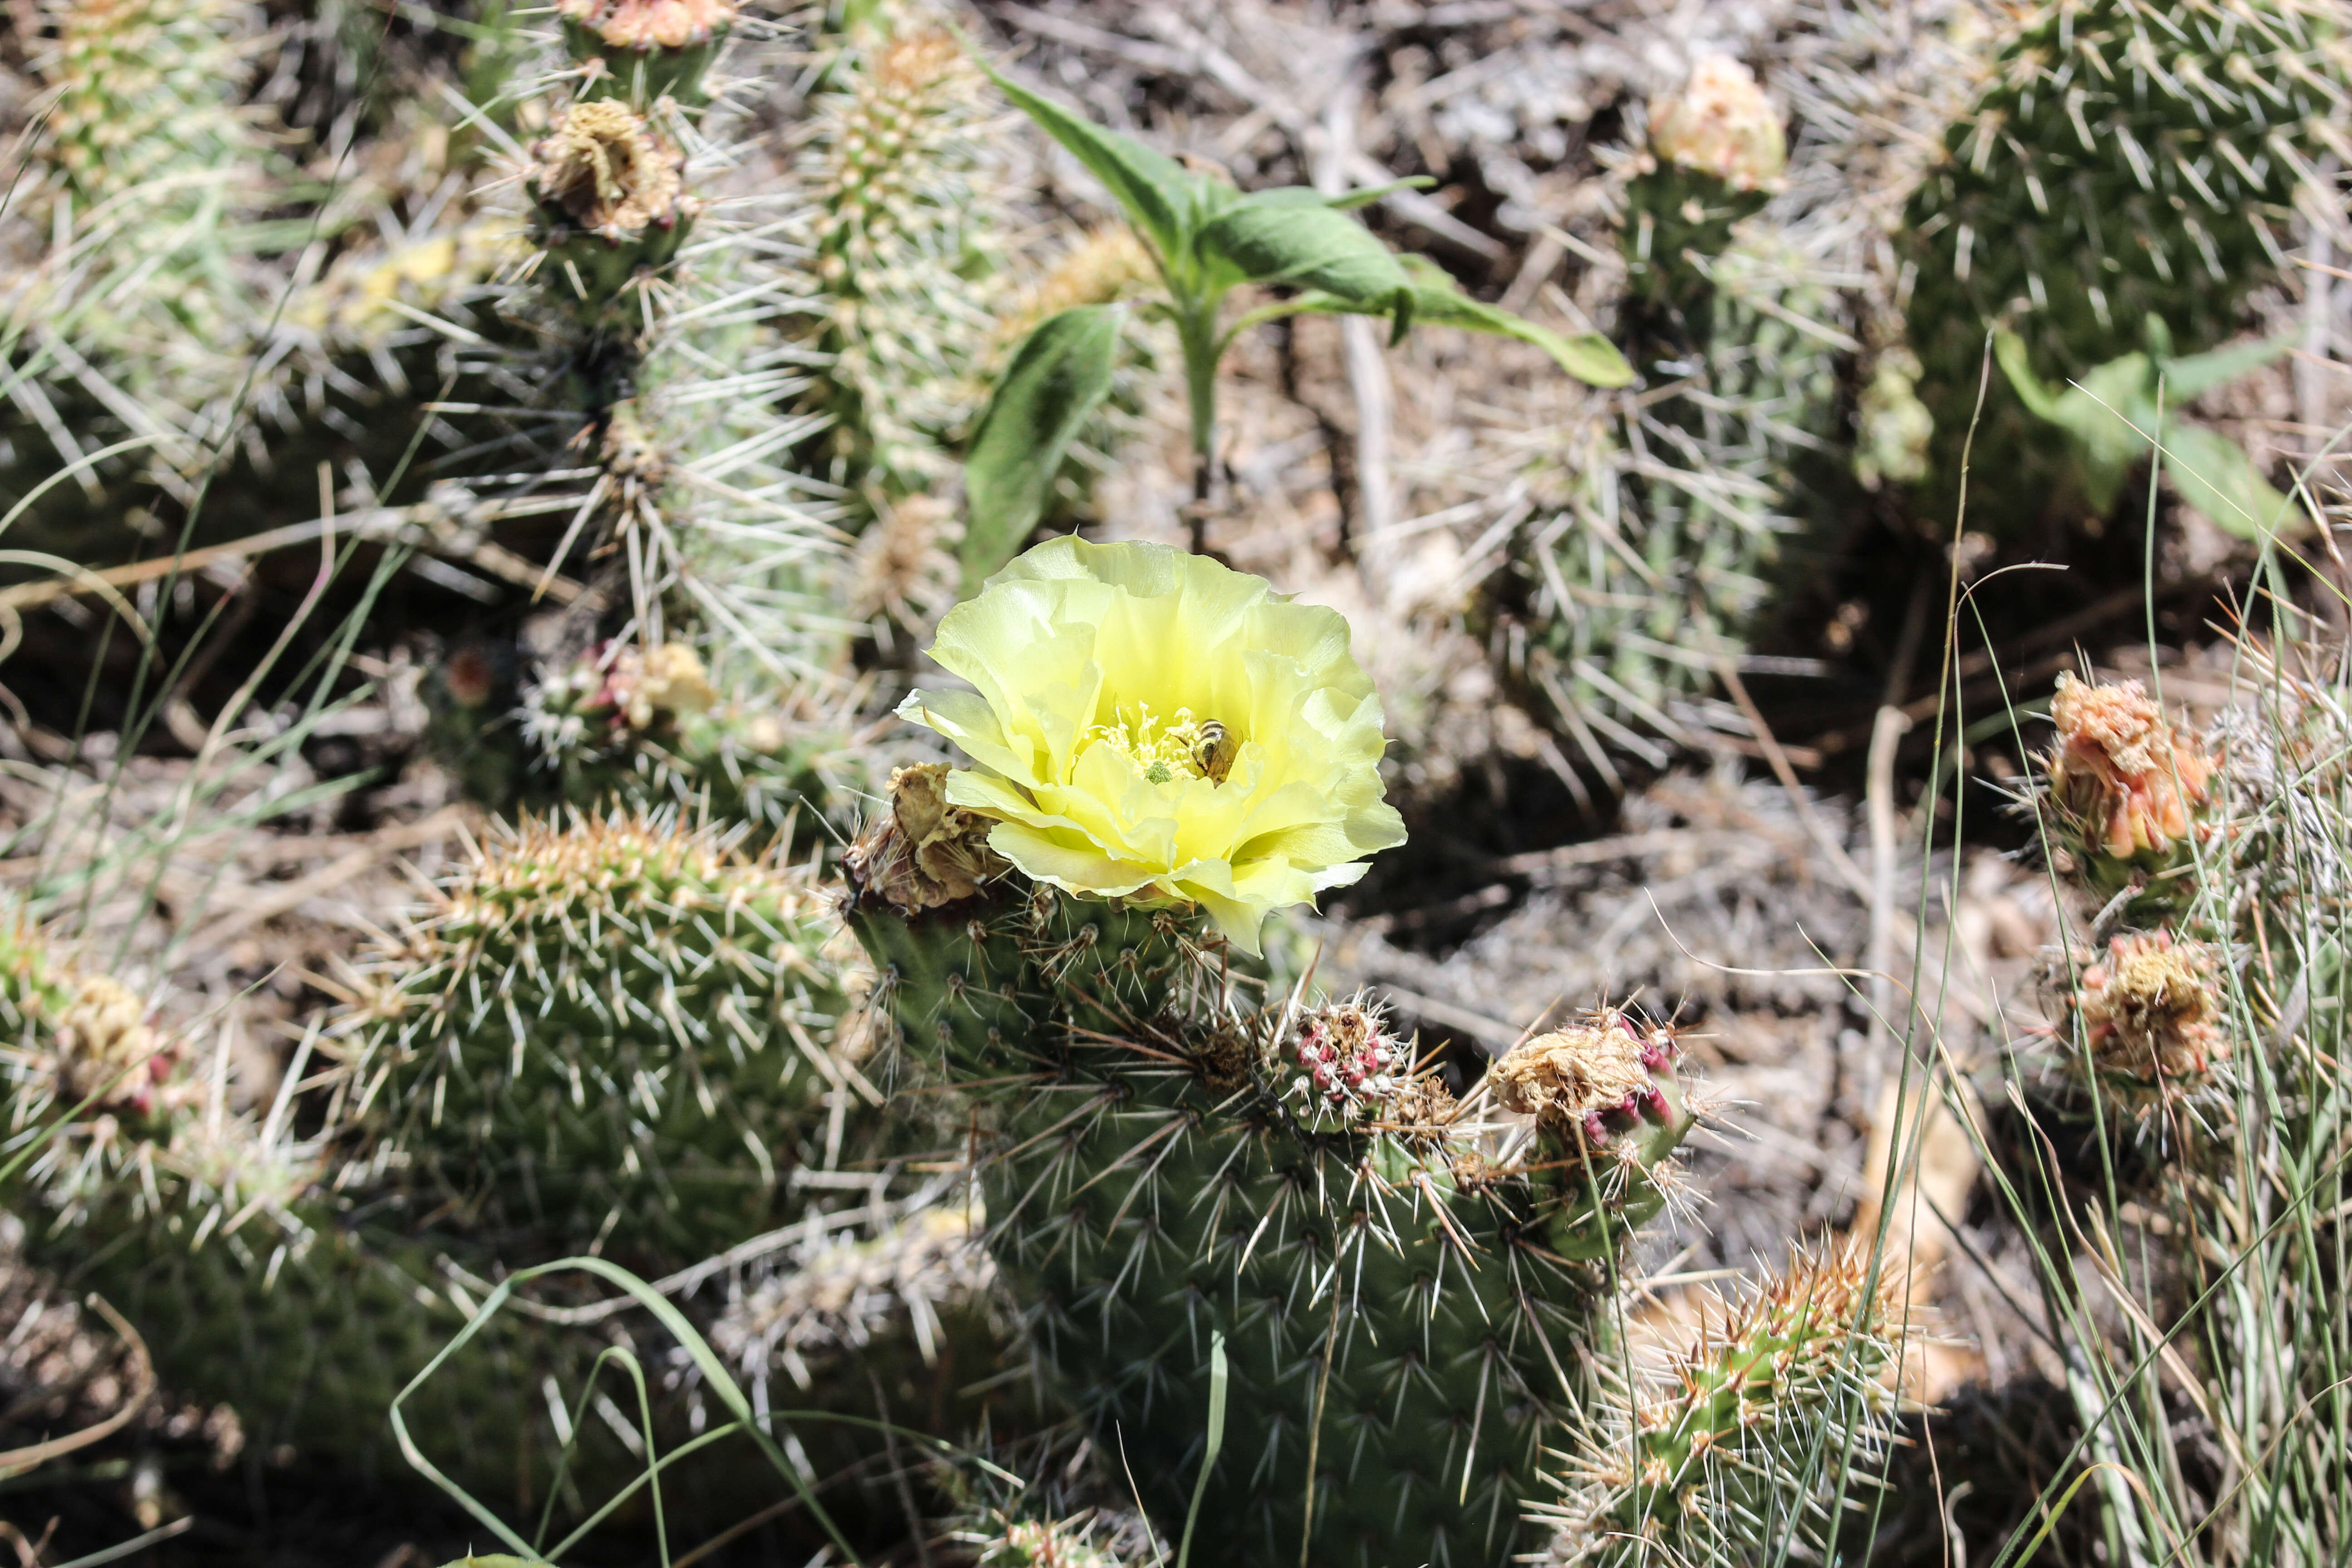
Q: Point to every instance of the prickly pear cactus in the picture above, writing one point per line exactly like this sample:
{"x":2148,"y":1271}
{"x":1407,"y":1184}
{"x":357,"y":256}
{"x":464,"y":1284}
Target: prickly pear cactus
{"x":613,"y":1033}
{"x":1400,"y":1277}
{"x":2127,"y":164}
{"x":1738,"y":1446}
{"x":899,"y":230}
{"x":646,"y":730}
{"x":1661,"y":562}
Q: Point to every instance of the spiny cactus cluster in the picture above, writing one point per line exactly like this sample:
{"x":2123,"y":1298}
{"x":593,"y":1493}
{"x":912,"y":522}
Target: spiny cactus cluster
{"x":1742,"y":1442}
{"x":2130,"y":168}
{"x":1660,"y":566}
{"x":899,"y":229}
{"x":1397,"y":1288}
{"x":610,"y":1033}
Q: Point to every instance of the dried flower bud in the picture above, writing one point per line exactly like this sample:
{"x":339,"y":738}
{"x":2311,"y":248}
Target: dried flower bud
{"x":106,"y":1047}
{"x":2120,"y":776}
{"x":648,"y":24}
{"x":1600,"y":1071}
{"x":606,"y":169}
{"x":925,"y":852}
{"x":2149,"y":1014}
{"x":1722,"y":124}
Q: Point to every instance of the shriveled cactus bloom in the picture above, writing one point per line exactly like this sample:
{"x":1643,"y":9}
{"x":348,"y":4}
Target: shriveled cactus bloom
{"x":1151,"y":724}
{"x":2119,"y":775}
{"x":2149,"y":1012}
{"x":648,"y":24}
{"x":1721,"y":124}
{"x":609,"y":171}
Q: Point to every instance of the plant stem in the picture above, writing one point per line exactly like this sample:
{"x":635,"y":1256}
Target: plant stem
{"x":1197,"y":332}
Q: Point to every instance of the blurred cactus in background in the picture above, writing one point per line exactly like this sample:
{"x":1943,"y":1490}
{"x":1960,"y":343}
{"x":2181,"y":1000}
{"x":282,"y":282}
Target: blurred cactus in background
{"x":2126,"y":179}
{"x":1659,"y":564}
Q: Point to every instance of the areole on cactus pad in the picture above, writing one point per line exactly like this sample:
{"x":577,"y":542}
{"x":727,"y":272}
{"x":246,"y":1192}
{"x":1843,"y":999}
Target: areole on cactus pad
{"x":1402,"y":1277}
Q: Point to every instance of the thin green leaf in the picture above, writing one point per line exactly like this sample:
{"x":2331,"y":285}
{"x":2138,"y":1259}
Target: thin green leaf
{"x":1059,"y":373}
{"x":1588,"y":356}
{"x":1370,"y":194}
{"x":1159,"y":194}
{"x":1216,"y":1441}
{"x":2200,"y":374}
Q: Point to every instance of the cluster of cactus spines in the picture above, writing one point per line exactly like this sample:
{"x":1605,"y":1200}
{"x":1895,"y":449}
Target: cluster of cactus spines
{"x":1740,"y":1446}
{"x":850,"y":1293}
{"x":2126,"y":792}
{"x":2127,"y":163}
{"x":611,"y":1032}
{"x":644,"y":728}
{"x":1657,"y":569}
{"x":1086,"y":1541}
{"x":898,"y":225}
{"x":1608,"y":1090}
{"x":1396,"y":1304}
{"x":140,"y":93}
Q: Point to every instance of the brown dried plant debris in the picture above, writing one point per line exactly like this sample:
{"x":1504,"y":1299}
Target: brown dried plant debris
{"x":609,"y":169}
{"x":923,"y":853}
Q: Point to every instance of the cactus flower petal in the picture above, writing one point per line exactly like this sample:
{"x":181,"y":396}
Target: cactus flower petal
{"x":1149,"y":723}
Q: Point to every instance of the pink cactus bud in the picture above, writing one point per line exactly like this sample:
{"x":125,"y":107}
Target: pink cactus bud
{"x":1322,"y":1076}
{"x":1653,"y":1103}
{"x":1596,"y":1131}
{"x":1306,"y":1058}
{"x":1325,"y":1053}
{"x":1658,"y":1052}
{"x":1353,"y":1072}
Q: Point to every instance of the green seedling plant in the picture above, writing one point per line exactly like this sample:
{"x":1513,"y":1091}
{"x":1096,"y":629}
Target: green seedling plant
{"x":1207,"y":240}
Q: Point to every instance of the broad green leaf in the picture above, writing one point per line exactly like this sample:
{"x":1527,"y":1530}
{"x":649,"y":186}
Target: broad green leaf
{"x":1291,"y":236}
{"x":1370,"y":194}
{"x":2212,"y":473}
{"x":1060,"y":371}
{"x":2009,"y":353}
{"x":2200,"y":374}
{"x":1159,"y":194}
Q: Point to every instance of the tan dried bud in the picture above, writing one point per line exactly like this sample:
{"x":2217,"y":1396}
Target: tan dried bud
{"x":648,"y":24}
{"x":106,"y":1047}
{"x":1601,"y":1067}
{"x":925,"y":852}
{"x":2119,"y":773}
{"x":2149,"y":1011}
{"x":605,"y":166}
{"x":673,"y":681}
{"x":1722,"y":124}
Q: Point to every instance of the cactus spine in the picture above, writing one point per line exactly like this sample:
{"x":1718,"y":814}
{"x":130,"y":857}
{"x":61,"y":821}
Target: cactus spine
{"x":1394,"y":1274}
{"x":1735,"y":1447}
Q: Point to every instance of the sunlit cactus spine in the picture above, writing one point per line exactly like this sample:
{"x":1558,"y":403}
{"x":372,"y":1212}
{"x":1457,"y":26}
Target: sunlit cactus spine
{"x":2127,"y":166}
{"x":1661,"y":564}
{"x":1739,"y":1446}
{"x":610,"y":1032}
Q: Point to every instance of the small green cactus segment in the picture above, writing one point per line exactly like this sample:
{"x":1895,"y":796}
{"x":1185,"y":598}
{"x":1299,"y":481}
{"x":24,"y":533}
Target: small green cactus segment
{"x":1743,"y":1442}
{"x":897,"y":225}
{"x":1162,"y":1157}
{"x":143,"y":95}
{"x":1052,"y":1543}
{"x":611,"y":1034}
{"x":1662,"y":560}
{"x":645,"y":731}
{"x":2125,"y":795}
{"x":651,"y":49}
{"x":2127,"y":163}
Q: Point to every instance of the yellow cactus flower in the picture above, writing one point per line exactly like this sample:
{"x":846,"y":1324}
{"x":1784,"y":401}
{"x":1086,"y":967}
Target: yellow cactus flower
{"x":1152,"y":725}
